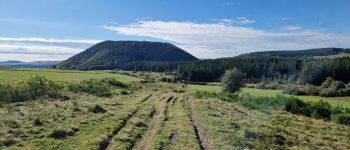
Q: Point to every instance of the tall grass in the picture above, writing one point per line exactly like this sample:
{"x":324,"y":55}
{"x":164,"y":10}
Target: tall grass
{"x":32,"y":89}
{"x":318,"y":110}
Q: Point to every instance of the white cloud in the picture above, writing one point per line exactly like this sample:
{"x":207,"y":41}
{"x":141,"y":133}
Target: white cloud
{"x":237,"y":21}
{"x":34,"y":48}
{"x":212,"y":40}
{"x":292,"y":28}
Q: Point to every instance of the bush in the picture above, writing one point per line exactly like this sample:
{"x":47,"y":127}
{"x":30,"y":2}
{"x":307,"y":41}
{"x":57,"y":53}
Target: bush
{"x":329,"y":92}
{"x":62,"y":133}
{"x":343,"y":119}
{"x":232,"y":81}
{"x":309,"y":89}
{"x":331,"y":88}
{"x":37,"y":122}
{"x":33,"y":89}
{"x":114,"y":82}
{"x":261,"y":85}
{"x":97,"y":109}
{"x":292,"y":90}
{"x":58,"y":133}
{"x":263,"y":104}
{"x":8,"y":142}
{"x":124,"y":92}
{"x":9,"y":93}
{"x":92,"y":87}
{"x":271,"y":86}
{"x":319,"y":110}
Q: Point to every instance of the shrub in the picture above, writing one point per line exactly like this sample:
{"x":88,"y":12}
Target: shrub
{"x":8,"y":142}
{"x":263,"y":104}
{"x":37,"y":87}
{"x":34,"y":88}
{"x":9,"y":93}
{"x":114,"y":82}
{"x":58,"y":133}
{"x":319,"y":110}
{"x":232,"y":80}
{"x":328,"y":92}
{"x":309,"y":89}
{"x":261,"y":85}
{"x":92,"y":87}
{"x":292,"y":90}
{"x":343,"y":119}
{"x":97,"y":109}
{"x":322,"y":110}
{"x":37,"y":122}
{"x":163,"y":79}
{"x":124,"y":92}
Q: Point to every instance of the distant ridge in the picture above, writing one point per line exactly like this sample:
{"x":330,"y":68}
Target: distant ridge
{"x":301,"y":53}
{"x":34,"y":64}
{"x":115,"y":54}
{"x":3,"y":68}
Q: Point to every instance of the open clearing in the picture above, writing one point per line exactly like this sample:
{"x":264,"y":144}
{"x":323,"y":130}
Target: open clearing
{"x":157,"y":116}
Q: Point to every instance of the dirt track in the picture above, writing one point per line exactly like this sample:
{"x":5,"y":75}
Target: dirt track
{"x":203,"y":138}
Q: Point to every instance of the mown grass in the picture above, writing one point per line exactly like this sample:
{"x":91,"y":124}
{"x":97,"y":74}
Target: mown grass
{"x":18,"y":75}
{"x":54,"y":116}
{"x":233,"y":127}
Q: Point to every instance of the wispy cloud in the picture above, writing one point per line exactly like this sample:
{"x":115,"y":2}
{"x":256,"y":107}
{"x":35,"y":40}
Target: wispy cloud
{"x":211,"y":40}
{"x":43,"y":48}
{"x":227,"y":4}
{"x":237,"y":21}
{"x":292,"y":28}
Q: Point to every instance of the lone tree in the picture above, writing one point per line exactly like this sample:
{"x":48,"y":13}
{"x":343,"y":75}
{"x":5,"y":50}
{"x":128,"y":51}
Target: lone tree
{"x":232,"y":80}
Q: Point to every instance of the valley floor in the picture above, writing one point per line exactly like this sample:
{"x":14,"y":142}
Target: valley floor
{"x":160,"y":116}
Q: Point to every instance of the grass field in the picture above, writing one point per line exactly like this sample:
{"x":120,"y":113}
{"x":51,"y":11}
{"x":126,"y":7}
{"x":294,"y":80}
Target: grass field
{"x":334,"y":101}
{"x":155,"y":116}
{"x":17,"y":75}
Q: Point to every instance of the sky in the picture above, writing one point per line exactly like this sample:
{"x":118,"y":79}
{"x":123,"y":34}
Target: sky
{"x":54,"y":30}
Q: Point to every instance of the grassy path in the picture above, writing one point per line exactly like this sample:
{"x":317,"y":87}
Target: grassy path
{"x":200,"y":131}
{"x":153,"y":127}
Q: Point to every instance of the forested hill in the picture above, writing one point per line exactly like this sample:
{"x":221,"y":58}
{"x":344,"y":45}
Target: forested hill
{"x":126,"y":54}
{"x":301,"y":53}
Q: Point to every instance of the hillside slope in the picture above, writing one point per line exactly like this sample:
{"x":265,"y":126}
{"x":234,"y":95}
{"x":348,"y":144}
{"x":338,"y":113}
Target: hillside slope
{"x":114,"y":54}
{"x":301,"y":53}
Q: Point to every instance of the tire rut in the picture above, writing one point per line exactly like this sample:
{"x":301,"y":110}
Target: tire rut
{"x":198,"y":127}
{"x":103,"y":145}
{"x":152,"y":130}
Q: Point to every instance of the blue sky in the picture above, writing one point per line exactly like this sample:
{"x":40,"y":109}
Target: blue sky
{"x":57,"y":29}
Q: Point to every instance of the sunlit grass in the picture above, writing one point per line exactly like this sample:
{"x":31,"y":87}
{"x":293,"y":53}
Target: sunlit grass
{"x":18,"y":75}
{"x":334,"y":101}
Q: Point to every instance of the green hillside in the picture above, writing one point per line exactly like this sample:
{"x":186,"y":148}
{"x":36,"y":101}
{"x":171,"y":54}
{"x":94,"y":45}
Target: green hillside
{"x":118,"y":54}
{"x":301,"y":53}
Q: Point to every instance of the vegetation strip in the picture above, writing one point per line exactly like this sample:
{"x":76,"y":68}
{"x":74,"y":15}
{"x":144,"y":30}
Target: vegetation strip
{"x":103,"y":145}
{"x":200,"y":132}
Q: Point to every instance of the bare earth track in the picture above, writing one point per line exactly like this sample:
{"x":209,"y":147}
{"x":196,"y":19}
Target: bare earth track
{"x":203,"y":137}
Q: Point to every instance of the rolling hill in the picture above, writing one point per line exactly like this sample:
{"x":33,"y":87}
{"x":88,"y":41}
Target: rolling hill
{"x":301,"y":53}
{"x":35,"y":64}
{"x":116,"y":54}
